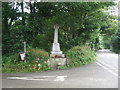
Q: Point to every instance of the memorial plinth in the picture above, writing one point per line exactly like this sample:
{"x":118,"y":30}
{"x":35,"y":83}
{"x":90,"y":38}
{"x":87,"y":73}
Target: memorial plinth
{"x":57,"y":57}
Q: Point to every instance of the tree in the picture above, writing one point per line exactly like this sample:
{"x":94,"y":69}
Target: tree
{"x":9,"y":15}
{"x":116,"y":41}
{"x":80,"y":23}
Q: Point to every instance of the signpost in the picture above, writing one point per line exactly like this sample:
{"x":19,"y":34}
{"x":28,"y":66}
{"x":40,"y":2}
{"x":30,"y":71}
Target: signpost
{"x":25,"y":50}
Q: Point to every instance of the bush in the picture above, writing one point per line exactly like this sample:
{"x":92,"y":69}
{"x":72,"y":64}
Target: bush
{"x":116,"y":42}
{"x":80,"y":55}
{"x":34,"y":58}
{"x":37,"y":54}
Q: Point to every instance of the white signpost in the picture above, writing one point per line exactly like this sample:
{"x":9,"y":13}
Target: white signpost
{"x":25,"y":51}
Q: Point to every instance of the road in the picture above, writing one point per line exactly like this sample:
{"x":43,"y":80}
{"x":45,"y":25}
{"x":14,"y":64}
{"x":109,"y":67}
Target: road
{"x":103,"y":73}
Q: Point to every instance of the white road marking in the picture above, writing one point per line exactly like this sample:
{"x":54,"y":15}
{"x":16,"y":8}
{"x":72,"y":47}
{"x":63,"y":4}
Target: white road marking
{"x":17,"y":78}
{"x":24,"y":78}
{"x":60,"y":78}
{"x":107,"y":69}
{"x":108,"y":65}
{"x":46,"y":78}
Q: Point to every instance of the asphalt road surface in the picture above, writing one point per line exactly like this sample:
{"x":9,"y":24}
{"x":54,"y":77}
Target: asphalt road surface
{"x":103,"y":73}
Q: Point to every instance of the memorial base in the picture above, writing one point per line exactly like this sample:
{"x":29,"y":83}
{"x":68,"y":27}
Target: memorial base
{"x":56,"y":62}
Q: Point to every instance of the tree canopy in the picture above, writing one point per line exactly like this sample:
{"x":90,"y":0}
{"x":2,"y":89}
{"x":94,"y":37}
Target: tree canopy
{"x":80,"y":23}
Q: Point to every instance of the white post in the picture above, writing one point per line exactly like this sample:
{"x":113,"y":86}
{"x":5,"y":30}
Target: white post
{"x":56,"y":35}
{"x":25,"y":50}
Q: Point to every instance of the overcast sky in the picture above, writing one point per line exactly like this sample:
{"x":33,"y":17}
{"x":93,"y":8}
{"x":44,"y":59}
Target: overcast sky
{"x":116,"y":9}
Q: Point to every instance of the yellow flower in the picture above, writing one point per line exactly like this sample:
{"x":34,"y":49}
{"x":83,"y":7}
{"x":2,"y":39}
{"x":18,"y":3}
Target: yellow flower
{"x":38,"y":68}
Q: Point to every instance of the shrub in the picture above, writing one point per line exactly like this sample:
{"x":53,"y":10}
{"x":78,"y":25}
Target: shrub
{"x":80,"y":55}
{"x":37,"y":54}
{"x":116,"y":42}
{"x":34,"y":57}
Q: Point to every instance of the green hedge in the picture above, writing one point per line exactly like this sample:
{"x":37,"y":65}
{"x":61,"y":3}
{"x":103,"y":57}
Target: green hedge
{"x":80,"y":55}
{"x":10,"y":64}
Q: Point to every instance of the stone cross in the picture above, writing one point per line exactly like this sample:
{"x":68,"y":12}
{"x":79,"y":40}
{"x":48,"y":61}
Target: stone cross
{"x":57,"y":58}
{"x":56,"y":47}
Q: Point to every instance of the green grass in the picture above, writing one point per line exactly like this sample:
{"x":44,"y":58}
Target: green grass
{"x":10,"y":64}
{"x":78,"y":56}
